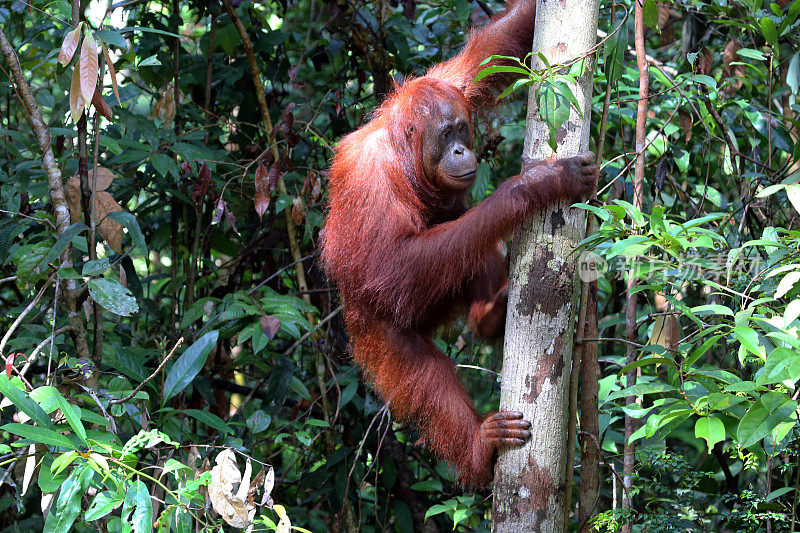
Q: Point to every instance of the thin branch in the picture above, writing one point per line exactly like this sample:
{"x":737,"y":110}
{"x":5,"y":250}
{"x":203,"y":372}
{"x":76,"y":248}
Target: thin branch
{"x":149,"y":378}
{"x":40,"y":347}
{"x":24,"y":313}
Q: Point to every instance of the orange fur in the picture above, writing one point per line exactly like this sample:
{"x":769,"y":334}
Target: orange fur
{"x":406,"y":258}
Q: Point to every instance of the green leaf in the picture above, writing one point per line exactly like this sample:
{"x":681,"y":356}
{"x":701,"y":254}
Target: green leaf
{"x":648,"y":361}
{"x":705,"y":80}
{"x":63,"y":241}
{"x":429,"y":485}
{"x":103,"y":503}
{"x":73,"y":415}
{"x":712,"y":309}
{"x":700,"y":351}
{"x":24,"y":403}
{"x":46,"y":480}
{"x":651,"y":14}
{"x":209,"y":419}
{"x":39,"y":434}
{"x":787,"y":283}
{"x":94,"y":268}
{"x":760,"y":420}
{"x":258,"y":422}
{"x":793,"y":193}
{"x":130,"y":223}
{"x":504,"y":69}
{"x":188,"y":365}
{"x":749,"y":339}
{"x":777,"y":493}
{"x":711,"y":429}
{"x":614,"y":55}
{"x":142,"y":519}
{"x":113,"y":297}
{"x":68,"y":504}
{"x":300,"y":389}
{"x":770,"y":33}
{"x":752,"y":54}
{"x":112,"y":37}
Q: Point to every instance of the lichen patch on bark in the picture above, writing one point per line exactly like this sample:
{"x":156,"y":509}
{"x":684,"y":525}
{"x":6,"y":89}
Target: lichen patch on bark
{"x":549,"y":285}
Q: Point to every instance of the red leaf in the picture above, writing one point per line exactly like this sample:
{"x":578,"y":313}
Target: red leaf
{"x":263,"y":189}
{"x":76,"y":101}
{"x":231,"y":220}
{"x":270,"y":325}
{"x":202,"y":185}
{"x":88,"y":68}
{"x":102,"y":107}
{"x":69,"y":45}
{"x":112,"y":72}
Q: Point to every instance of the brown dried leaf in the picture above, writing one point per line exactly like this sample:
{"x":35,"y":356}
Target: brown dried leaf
{"x":666,"y":332}
{"x":263,"y":189}
{"x":112,"y":72}
{"x":169,"y":111}
{"x":100,"y":105}
{"x":704,"y":61}
{"x":69,"y":45}
{"x":76,"y":101}
{"x":728,"y":55}
{"x":72,"y":191}
{"x":686,"y":123}
{"x":88,"y":67}
{"x":298,"y":210}
{"x":101,"y":177}
{"x":109,"y":229}
{"x":123,"y":278}
{"x":232,"y":506}
{"x":270,"y":324}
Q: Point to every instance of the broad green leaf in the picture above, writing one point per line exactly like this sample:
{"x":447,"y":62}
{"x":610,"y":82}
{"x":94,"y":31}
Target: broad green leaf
{"x":103,"y":504}
{"x":698,"y":352}
{"x":614,"y":54}
{"x":130,"y":223}
{"x":504,"y":69}
{"x":44,"y":435}
{"x":752,"y":54}
{"x":787,"y":283}
{"x":188,"y":365}
{"x":113,"y":297}
{"x":63,"y":240}
{"x":760,"y":420}
{"x":142,"y":518}
{"x":95,"y":268}
{"x":209,"y":419}
{"x":112,"y":37}
{"x":25,"y":404}
{"x":258,"y":422}
{"x":770,"y":33}
{"x":648,"y":361}
{"x":73,"y":415}
{"x":793,"y":193}
{"x":68,"y":505}
{"x":712,"y":309}
{"x":711,"y":429}
{"x":749,"y":339}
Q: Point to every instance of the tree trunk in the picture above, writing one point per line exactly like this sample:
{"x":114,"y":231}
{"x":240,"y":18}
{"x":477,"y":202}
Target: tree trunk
{"x":543,"y":289}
